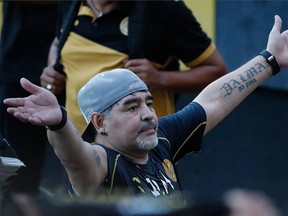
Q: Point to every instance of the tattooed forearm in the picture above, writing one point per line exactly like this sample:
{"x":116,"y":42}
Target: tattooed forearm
{"x":246,"y":79}
{"x":97,"y":157}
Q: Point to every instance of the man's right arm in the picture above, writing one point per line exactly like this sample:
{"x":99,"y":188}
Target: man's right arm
{"x":86,"y":164}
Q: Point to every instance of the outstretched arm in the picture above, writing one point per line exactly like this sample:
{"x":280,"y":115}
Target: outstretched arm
{"x":81,"y":160}
{"x":223,"y":95}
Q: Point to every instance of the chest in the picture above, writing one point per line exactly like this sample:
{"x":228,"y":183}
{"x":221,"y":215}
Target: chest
{"x":125,"y":34}
{"x":156,"y":178}
{"x":109,"y":30}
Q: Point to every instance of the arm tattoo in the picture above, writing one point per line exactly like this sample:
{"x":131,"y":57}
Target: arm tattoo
{"x":97,"y":157}
{"x":245,"y":79}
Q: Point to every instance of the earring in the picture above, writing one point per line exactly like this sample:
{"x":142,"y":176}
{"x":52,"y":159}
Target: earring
{"x":104,"y":133}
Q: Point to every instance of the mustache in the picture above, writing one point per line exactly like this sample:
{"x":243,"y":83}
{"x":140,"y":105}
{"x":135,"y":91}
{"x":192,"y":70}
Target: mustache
{"x":147,"y":124}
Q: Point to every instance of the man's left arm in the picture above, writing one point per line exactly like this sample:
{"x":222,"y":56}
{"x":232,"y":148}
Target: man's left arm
{"x":220,"y":97}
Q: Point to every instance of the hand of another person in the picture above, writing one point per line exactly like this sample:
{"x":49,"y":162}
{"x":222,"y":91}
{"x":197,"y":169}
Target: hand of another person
{"x":145,"y":70}
{"x":250,"y":203}
{"x":40,"y":108}
{"x":278,"y":43}
{"x":53,"y":80}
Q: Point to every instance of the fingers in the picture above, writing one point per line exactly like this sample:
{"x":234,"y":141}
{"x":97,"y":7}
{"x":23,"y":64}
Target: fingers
{"x":277,"y":24}
{"x":30,"y":87}
{"x":22,"y":113}
{"x":18,"y":112}
{"x":24,"y":116}
{"x":135,"y":62}
{"x":53,"y":77}
{"x":138,"y":65}
{"x":129,"y":63}
{"x":52,"y":80}
{"x":14,"y":102}
{"x":275,"y":31}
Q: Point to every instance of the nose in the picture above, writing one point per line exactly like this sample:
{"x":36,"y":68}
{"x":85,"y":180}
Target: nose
{"x":147,"y":113}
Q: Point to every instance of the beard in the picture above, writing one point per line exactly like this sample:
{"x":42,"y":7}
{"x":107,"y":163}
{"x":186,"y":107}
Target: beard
{"x":147,"y":145}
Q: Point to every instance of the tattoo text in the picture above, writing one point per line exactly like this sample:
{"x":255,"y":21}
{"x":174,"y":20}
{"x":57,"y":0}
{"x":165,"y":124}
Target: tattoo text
{"x":246,"y":79}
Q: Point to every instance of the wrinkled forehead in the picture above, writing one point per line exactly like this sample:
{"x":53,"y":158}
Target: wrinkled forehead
{"x":140,"y":95}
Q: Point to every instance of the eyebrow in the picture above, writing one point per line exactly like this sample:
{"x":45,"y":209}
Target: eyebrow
{"x":136,"y":100}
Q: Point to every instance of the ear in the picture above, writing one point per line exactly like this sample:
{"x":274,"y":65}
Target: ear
{"x":97,"y":120}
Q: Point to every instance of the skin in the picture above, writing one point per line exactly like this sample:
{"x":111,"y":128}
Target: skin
{"x":86,"y":164}
{"x":127,"y":125}
{"x":250,"y":203}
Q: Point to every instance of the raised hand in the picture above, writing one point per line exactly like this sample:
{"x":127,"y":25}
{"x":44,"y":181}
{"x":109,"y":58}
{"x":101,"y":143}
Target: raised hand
{"x":278,"y":43}
{"x":40,"y":108}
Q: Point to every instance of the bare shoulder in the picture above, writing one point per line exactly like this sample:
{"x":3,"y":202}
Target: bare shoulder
{"x":93,"y":170}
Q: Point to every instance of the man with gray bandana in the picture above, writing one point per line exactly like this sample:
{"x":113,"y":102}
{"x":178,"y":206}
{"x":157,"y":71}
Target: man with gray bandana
{"x":133,"y":151}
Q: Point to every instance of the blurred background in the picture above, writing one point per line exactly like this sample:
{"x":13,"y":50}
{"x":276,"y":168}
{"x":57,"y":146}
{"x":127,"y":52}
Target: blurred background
{"x":249,"y":148}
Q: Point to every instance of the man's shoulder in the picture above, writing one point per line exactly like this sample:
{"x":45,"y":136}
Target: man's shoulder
{"x":158,"y":10}
{"x":168,"y":6}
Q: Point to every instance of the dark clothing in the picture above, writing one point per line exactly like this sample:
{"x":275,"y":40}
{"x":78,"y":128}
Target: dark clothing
{"x":178,"y":135}
{"x":157,"y":31}
{"x":27,"y":32}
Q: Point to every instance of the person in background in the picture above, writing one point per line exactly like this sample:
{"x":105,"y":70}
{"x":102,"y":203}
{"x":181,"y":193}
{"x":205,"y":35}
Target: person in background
{"x":146,"y":37}
{"x":27,"y":32}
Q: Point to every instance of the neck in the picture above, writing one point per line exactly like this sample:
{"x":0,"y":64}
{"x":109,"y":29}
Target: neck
{"x":138,"y":157}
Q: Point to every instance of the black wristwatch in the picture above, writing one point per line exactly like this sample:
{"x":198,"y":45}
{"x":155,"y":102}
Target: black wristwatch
{"x":271,"y":61}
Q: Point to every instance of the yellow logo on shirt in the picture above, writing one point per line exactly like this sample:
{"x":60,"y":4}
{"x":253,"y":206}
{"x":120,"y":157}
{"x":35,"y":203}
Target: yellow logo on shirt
{"x":169,"y":170}
{"x":124,"y":26}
